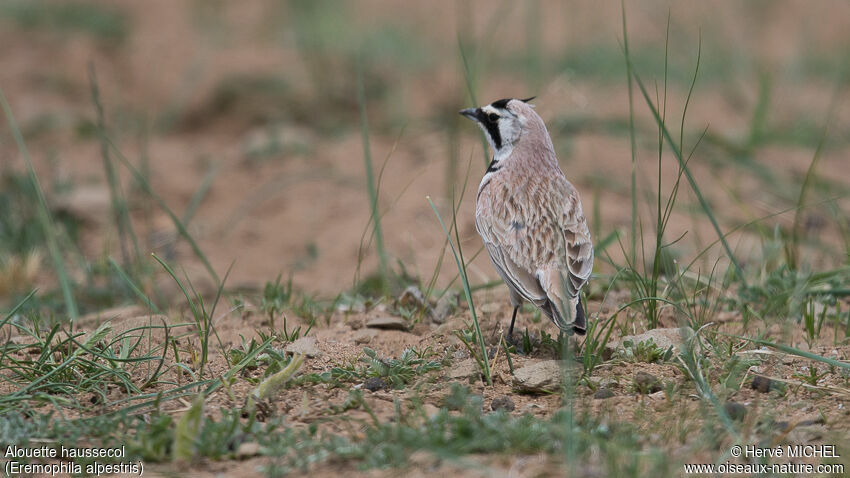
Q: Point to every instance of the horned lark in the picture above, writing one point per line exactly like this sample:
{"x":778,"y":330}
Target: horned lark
{"x":530,"y":216}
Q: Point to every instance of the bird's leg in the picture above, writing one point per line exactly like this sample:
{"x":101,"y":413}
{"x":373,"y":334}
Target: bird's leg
{"x":511,"y":328}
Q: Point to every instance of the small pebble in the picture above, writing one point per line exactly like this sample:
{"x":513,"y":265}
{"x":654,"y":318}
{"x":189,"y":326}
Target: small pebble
{"x":646,"y":383}
{"x":364,"y":336}
{"x":356,"y":322}
{"x":247,"y":450}
{"x":736,"y":411}
{"x":412,"y":297}
{"x":373,"y":384}
{"x":603,"y":393}
{"x":762,"y":384}
{"x":387,"y":323}
{"x":780,"y":426}
{"x":539,"y":377}
{"x":502,"y":403}
{"x":464,"y":370}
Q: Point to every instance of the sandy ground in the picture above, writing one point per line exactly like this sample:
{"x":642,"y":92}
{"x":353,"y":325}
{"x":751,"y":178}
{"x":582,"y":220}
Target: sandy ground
{"x":673,"y":416}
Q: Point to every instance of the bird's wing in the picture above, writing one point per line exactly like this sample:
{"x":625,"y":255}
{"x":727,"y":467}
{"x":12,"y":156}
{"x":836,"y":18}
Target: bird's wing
{"x":563,"y":279}
{"x":500,"y":245}
{"x":539,"y":242}
{"x":578,"y":242}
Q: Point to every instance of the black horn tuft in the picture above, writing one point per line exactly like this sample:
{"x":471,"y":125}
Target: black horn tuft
{"x":501,"y":104}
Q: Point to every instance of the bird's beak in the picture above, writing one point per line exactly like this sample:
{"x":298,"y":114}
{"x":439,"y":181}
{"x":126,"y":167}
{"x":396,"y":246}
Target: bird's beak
{"x":471,"y":113}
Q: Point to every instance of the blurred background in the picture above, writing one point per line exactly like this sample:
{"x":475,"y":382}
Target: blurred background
{"x":245,"y":120}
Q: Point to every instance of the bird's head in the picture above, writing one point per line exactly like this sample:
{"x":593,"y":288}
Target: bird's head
{"x":503,"y":121}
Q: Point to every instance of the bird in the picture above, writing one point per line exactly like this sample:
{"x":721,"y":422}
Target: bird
{"x":530,"y":216}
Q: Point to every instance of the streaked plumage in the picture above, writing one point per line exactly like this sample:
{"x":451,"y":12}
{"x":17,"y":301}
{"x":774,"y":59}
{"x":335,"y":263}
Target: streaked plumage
{"x":530,"y":217}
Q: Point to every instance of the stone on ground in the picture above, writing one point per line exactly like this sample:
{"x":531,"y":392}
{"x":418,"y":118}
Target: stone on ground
{"x":387,"y":323}
{"x":544,"y":376}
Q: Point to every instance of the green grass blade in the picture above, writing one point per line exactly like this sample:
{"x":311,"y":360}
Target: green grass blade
{"x":44,"y":217}
{"x":181,"y":228}
{"x":683,"y":164}
{"x":120,"y":212}
{"x":632,"y":141}
{"x":17,"y":307}
{"x":370,"y":179}
{"x":470,"y":87}
{"x":793,"y":256}
{"x":188,"y":429}
{"x":466,"y":290}
{"x":141,"y":295}
{"x":792,"y":250}
{"x":368,"y":228}
{"x":794,"y":351}
{"x":228,"y":376}
{"x":196,"y":313}
{"x":200,"y":194}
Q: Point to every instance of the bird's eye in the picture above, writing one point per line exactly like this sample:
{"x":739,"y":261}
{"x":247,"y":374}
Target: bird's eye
{"x":493,"y":117}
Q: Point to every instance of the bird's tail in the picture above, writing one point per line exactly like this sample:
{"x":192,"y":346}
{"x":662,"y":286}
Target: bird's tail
{"x":578,"y":324}
{"x":563,"y":305}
